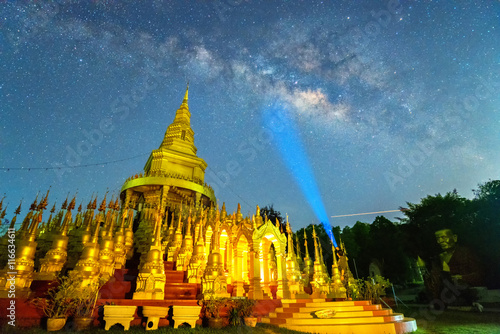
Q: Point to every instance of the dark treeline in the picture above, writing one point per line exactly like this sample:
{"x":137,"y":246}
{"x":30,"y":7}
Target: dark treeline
{"x":395,"y":246}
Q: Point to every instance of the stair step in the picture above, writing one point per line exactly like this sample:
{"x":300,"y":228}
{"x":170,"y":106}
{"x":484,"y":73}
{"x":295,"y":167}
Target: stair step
{"x":407,"y":325}
{"x":340,"y":314}
{"x":181,"y":290}
{"x":337,"y":320}
{"x":308,"y":300}
{"x":304,"y":303}
{"x":168,"y":265}
{"x":174,"y":276}
{"x":342,"y":303}
{"x":265,"y":320}
{"x":319,"y":308}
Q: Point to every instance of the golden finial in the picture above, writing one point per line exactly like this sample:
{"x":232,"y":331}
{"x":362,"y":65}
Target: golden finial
{"x":34,"y":205}
{"x":186,"y":95}
{"x":43,"y":203}
{"x":288,"y":228}
{"x":102,"y":207}
{"x":305,"y":244}
{"x":71,"y":205}
{"x":65,"y":203}
{"x":18,"y":210}
{"x":53,"y":208}
{"x":80,"y":207}
{"x":1,"y":203}
{"x":333,"y":253}
{"x":297,"y":243}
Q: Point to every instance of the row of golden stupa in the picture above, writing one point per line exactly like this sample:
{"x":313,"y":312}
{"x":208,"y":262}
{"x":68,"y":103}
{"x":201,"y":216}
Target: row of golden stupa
{"x":167,"y":213}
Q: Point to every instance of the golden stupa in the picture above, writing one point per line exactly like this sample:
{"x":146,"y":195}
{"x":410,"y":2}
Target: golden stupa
{"x":169,"y":236}
{"x":167,"y":213}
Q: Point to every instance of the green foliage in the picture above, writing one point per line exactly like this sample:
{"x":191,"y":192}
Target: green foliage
{"x":234,"y":318}
{"x":244,"y":306}
{"x":213,"y":304}
{"x":58,"y":302}
{"x":84,"y":300}
{"x":489,"y":191}
{"x":476,"y":222}
{"x":271,"y":214}
{"x":239,"y":308}
{"x":369,"y":289}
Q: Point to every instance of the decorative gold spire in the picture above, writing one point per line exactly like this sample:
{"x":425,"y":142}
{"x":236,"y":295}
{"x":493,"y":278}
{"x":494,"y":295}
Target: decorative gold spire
{"x":317,"y":257}
{"x":185,"y":101}
{"x":305,"y":245}
{"x":179,"y":135}
{"x":65,"y":203}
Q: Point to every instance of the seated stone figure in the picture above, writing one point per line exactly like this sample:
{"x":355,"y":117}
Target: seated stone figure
{"x":454,"y":272}
{"x":460,"y":262}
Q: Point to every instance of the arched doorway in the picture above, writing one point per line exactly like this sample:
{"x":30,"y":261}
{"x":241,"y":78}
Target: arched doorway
{"x":269,"y":245}
{"x":241,"y":259}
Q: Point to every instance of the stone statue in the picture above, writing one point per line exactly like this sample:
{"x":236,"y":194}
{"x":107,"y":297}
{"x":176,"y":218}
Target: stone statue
{"x":453,"y":272}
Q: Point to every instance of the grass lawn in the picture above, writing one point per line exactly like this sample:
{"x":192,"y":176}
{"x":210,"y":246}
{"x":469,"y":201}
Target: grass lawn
{"x":453,"y":322}
{"x":448,"y":322}
{"x":259,"y":329}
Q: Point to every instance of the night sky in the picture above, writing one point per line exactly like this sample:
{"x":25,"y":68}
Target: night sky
{"x":392,"y":101}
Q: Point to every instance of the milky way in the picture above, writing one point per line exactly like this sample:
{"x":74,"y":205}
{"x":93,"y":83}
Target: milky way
{"x":393,"y":100}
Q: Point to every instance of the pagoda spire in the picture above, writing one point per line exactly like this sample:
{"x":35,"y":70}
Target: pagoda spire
{"x":179,"y":135}
{"x":185,"y":101}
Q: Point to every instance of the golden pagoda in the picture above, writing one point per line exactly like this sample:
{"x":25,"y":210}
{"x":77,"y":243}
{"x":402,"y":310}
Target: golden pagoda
{"x":170,"y":238}
{"x":173,"y":172}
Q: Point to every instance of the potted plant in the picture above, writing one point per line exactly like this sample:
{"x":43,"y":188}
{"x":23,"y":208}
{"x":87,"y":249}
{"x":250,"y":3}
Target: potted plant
{"x":57,"y":305}
{"x":212,"y":306}
{"x":84,"y":304}
{"x":245,"y":308}
{"x":234,"y":316}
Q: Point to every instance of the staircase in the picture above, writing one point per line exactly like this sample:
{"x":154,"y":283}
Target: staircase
{"x":123,"y":284}
{"x":349,"y":317}
{"x":175,"y":288}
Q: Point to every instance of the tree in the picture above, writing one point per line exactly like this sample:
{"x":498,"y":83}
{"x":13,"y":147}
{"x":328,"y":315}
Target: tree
{"x":489,"y":191}
{"x":386,"y":245}
{"x":431,"y":214}
{"x":359,"y":260}
{"x":271,"y":214}
{"x":485,"y":234}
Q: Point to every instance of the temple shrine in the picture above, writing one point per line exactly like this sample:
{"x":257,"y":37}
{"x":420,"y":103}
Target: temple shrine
{"x":164,"y":241}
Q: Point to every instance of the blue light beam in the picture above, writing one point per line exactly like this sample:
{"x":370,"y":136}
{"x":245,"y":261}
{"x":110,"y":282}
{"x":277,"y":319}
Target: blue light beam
{"x":285,"y":134}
